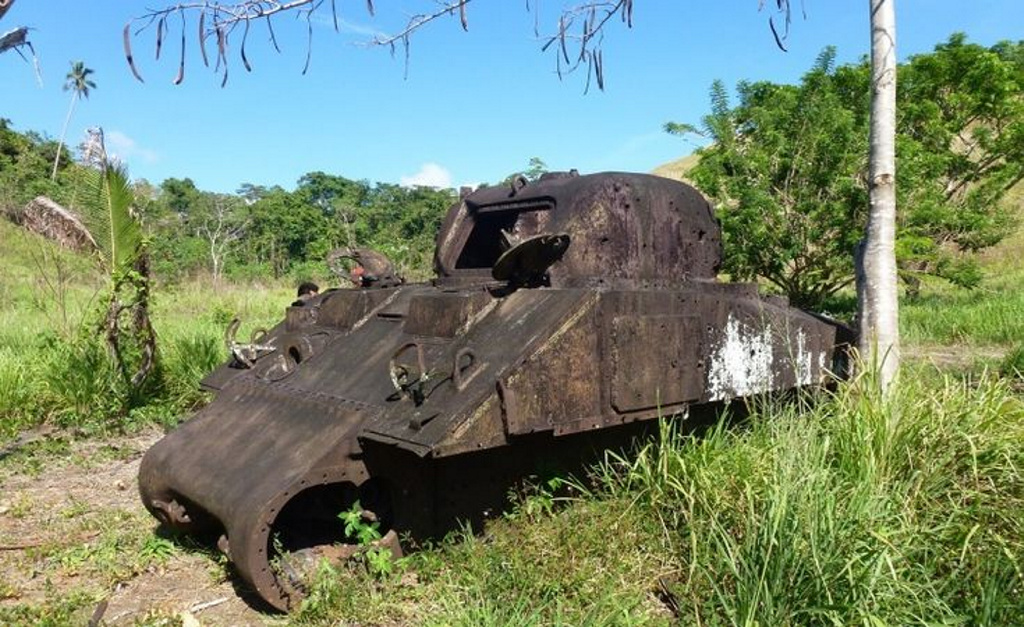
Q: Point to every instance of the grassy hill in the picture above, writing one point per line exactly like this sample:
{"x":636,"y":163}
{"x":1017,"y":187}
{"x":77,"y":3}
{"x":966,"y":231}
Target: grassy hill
{"x":676,"y":169}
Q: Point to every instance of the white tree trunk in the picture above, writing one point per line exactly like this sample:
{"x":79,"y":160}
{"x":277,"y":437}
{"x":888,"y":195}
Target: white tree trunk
{"x":878,"y":315}
{"x":63,"y":134}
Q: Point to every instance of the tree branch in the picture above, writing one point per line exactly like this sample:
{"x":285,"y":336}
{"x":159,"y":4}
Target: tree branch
{"x":580,"y":28}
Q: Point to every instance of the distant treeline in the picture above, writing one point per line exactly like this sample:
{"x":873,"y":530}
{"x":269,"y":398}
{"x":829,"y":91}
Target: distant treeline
{"x":257,"y":232}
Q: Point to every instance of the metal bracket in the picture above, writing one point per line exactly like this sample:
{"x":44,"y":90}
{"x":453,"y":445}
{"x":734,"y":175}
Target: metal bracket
{"x":247,"y":354}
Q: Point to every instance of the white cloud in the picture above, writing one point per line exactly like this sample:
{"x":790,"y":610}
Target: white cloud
{"x":125,"y":149}
{"x":429,"y":175}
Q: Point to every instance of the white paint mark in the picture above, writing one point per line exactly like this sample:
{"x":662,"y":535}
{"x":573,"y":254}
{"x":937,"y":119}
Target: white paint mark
{"x":803,"y":360}
{"x":741,"y":365}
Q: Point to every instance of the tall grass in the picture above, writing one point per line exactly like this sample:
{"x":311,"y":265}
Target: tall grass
{"x":990,"y":314}
{"x":855,"y":509}
{"x":898,"y":510}
{"x":53,"y":364}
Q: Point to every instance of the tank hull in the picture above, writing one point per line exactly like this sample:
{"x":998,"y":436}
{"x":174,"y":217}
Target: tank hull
{"x":515,"y":373}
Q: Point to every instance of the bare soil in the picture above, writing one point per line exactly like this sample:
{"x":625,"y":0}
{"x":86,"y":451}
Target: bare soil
{"x":49,"y":519}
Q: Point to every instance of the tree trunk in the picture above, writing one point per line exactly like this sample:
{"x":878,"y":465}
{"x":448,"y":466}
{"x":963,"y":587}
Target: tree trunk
{"x":63,"y":135}
{"x":878,"y":315}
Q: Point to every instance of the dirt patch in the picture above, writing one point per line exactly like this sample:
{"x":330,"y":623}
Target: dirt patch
{"x":952,"y":357}
{"x":78,"y":530}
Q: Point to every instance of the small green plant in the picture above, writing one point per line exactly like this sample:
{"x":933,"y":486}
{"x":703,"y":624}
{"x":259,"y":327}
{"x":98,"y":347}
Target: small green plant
{"x":537,"y":500}
{"x":7,"y":591}
{"x":380,"y":562}
{"x":1012,"y":366}
{"x":157,"y":550}
{"x":222,"y":315}
{"x":357,"y":527}
{"x":366,"y":532}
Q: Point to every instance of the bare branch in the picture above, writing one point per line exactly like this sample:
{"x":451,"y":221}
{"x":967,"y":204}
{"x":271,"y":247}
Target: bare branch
{"x":245,"y":36}
{"x":579,"y":35}
{"x":309,"y":41}
{"x":417,"y":22}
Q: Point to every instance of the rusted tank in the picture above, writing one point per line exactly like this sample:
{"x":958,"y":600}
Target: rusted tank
{"x":564,"y":313}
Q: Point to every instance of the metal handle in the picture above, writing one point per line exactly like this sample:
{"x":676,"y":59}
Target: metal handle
{"x":458,"y":368}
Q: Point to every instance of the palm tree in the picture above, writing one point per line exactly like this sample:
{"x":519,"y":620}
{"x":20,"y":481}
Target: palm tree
{"x":78,"y":83}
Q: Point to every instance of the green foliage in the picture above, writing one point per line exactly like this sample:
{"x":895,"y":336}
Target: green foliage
{"x":357,"y":528}
{"x":57,"y":610}
{"x":82,"y":384}
{"x":961,"y":126}
{"x":77,"y":80}
{"x":787,"y":168}
{"x":534,"y":170}
{"x":1012,"y":365}
{"x":783,"y":170}
{"x":989,"y":315}
{"x":104,"y":200}
{"x":861,"y":509}
{"x":364,"y":532}
{"x":24,"y":168}
{"x":258,"y":233}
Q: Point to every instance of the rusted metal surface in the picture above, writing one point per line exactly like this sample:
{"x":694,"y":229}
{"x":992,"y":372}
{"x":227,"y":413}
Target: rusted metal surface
{"x":565,"y":316}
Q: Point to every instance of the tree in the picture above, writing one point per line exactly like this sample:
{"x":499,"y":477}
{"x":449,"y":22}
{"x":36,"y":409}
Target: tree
{"x":535,"y":169}
{"x":877,"y":291}
{"x":220,"y":226}
{"x":960,"y":147}
{"x":24,"y":168}
{"x":786,"y":169}
{"x":78,"y":83}
{"x":105,"y":201}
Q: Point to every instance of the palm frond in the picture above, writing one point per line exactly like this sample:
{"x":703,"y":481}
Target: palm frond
{"x":126,"y":230}
{"x":106,"y":209}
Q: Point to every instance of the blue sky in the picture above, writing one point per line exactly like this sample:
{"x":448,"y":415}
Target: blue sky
{"x":471,"y":107}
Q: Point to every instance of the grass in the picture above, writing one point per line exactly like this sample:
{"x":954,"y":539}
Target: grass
{"x":852,"y":510}
{"x":84,"y":554}
{"x":989,"y":315}
{"x":53,"y":368}
{"x":992,"y":314}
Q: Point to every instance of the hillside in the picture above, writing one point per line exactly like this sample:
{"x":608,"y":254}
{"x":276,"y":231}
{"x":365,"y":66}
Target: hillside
{"x":676,"y":169}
